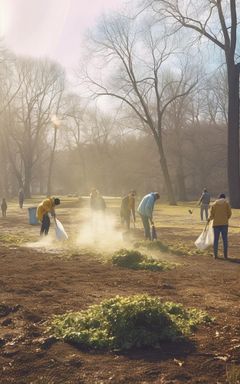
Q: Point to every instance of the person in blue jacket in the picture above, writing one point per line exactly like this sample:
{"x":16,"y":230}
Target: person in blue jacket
{"x":145,"y":210}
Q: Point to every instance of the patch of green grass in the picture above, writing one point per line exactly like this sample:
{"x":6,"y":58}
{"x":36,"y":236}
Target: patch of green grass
{"x":136,"y":260}
{"x":126,"y":322}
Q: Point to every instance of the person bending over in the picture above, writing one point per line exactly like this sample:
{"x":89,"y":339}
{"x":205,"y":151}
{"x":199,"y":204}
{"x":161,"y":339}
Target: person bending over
{"x":145,"y":210}
{"x":45,"y":207}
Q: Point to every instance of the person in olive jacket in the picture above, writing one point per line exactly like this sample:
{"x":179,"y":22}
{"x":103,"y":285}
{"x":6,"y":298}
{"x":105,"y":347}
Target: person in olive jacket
{"x":128,"y":208}
{"x":220,"y":214}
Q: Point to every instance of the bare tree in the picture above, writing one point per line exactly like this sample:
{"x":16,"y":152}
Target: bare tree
{"x":10,"y":85}
{"x":74,"y":130}
{"x":216,"y":97}
{"x":87,"y":128}
{"x":36,"y":102}
{"x":140,"y":78}
{"x":176,"y":121}
{"x":216,"y":20}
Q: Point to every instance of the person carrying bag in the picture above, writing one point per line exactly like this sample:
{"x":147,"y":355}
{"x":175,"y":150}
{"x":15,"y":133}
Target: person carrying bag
{"x":220,"y":214}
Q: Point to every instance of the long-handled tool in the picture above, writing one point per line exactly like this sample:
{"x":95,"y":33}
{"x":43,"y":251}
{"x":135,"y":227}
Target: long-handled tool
{"x":153,"y":232}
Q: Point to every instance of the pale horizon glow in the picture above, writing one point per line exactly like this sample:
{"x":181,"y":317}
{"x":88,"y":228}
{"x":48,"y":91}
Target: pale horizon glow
{"x":50,"y":28}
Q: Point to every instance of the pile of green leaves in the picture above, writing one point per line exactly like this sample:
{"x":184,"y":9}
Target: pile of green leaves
{"x":126,"y":322}
{"x":136,"y":260}
{"x":176,"y":249}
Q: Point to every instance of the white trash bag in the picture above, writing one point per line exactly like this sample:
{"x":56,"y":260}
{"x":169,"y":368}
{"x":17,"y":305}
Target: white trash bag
{"x":60,"y":231}
{"x":206,"y":238}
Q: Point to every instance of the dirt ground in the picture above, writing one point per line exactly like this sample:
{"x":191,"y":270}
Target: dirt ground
{"x":39,"y":280}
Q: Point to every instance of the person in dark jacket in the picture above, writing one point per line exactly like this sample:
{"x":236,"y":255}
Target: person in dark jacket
{"x":128,"y":208}
{"x":4,"y":207}
{"x":21,"y":198}
{"x":204,"y":202}
{"x":145,"y":210}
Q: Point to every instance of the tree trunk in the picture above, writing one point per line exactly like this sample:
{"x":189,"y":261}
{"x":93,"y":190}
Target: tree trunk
{"x":164,"y":167}
{"x":27,"y":181}
{"x":5,"y":186}
{"x":82,"y":166}
{"x":233,"y":135}
{"x":41,"y":180}
{"x":182,"y":195}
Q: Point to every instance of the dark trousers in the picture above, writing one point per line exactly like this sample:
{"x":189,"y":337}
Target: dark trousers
{"x":204,"y":208}
{"x":45,"y":225}
{"x":146,"y":225}
{"x":223,"y":230}
{"x":4,"y":212}
{"x":125,"y":218}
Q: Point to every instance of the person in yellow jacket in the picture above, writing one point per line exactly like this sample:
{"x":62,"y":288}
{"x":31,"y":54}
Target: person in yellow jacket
{"x":45,"y":207}
{"x":220,"y":214}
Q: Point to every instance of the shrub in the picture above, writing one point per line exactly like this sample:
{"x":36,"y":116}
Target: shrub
{"x":126,"y":322}
{"x":127,"y":258}
{"x":136,"y":260}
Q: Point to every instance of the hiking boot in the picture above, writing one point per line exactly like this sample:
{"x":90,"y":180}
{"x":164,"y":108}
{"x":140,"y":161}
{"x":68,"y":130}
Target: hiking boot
{"x":215,"y":257}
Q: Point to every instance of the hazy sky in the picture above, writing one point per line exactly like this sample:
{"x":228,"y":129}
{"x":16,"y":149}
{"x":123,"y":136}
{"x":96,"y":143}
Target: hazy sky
{"x":50,"y":27}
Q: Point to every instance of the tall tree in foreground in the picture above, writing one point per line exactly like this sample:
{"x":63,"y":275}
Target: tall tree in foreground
{"x":217,"y":21}
{"x":138,"y":61}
